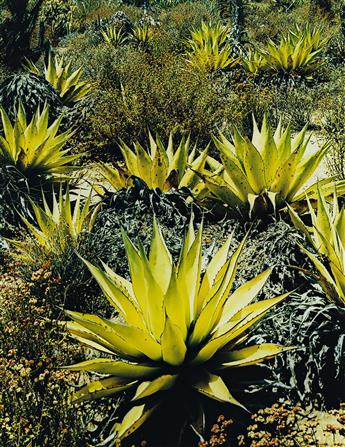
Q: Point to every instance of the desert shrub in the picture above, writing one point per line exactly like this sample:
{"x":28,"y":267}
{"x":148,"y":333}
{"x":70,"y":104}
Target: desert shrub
{"x":292,"y":425}
{"x":156,"y":94}
{"x":63,"y":280}
{"x":264,"y":22}
{"x":295,"y":104}
{"x":14,"y":190}
{"x":89,"y":13}
{"x":33,"y":391}
{"x":334,"y":129}
{"x":180,"y":19}
{"x":133,"y":210}
{"x":336,"y":47}
{"x":274,"y":245}
{"x":49,"y":253}
{"x":311,"y":372}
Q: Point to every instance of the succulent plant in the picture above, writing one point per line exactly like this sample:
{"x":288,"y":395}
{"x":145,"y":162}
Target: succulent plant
{"x":62,"y":77}
{"x":33,"y":147}
{"x":33,"y":91}
{"x":178,"y":330}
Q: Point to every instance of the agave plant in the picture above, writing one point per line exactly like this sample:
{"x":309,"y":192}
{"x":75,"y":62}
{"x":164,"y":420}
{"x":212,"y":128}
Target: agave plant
{"x":265,"y":173}
{"x":327,"y":236}
{"x":142,"y":34}
{"x":35,"y":148}
{"x":57,"y":226}
{"x":312,"y":37}
{"x":178,"y":329}
{"x":33,"y":91}
{"x":253,"y":62}
{"x":113,"y":36}
{"x":209,"y":49}
{"x":66,"y":81}
{"x":208,"y":32}
{"x":159,"y":167}
{"x":299,"y":53}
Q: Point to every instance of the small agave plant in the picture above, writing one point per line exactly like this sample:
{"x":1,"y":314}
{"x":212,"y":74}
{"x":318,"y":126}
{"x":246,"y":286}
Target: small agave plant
{"x":327,"y":236}
{"x":266,"y":173}
{"x":208,"y":48}
{"x":178,"y":330}
{"x":34,"y":148}
{"x":57,"y":226}
{"x":299,"y":53}
{"x":62,"y":77}
{"x":159,"y":166}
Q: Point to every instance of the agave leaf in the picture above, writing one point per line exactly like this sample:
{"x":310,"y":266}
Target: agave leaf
{"x":254,"y":168}
{"x":190,"y":178}
{"x":179,"y":160}
{"x":130,"y":158}
{"x":117,"y":368}
{"x":251,"y":355}
{"x":90,"y":339}
{"x":188,"y":274}
{"x":144,"y":163}
{"x":159,"y":168}
{"x":212,"y":270}
{"x":135,"y":417}
{"x":102,"y":388}
{"x":175,"y":305}
{"x":124,"y":342}
{"x":213,"y":386}
{"x":236,"y":326}
{"x":242,"y":296}
{"x":117,"y":297}
{"x":223,"y":191}
{"x":156,"y":306}
{"x":298,"y":223}
{"x":161,"y":383}
{"x":212,"y":308}
{"x":173,"y":345}
{"x":306,"y":170}
{"x":160,"y":258}
{"x":269,"y":151}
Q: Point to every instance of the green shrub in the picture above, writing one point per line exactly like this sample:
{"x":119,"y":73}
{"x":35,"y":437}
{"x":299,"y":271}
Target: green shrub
{"x":334,"y":129}
{"x":264,"y":22}
{"x":180,"y":19}
{"x":157,"y":94}
{"x":295,"y":105}
{"x":91,"y":11}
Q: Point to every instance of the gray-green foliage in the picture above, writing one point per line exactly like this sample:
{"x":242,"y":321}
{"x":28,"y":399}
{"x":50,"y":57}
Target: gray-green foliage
{"x":334,"y":128}
{"x":33,"y":91}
